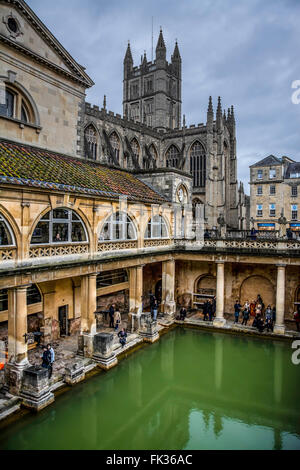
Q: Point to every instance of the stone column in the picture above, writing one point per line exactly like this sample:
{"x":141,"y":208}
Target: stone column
{"x":168,"y":288}
{"x":88,"y":319}
{"x":220,"y":320}
{"x":135,"y":296}
{"x":17,"y":345}
{"x":279,"y":327}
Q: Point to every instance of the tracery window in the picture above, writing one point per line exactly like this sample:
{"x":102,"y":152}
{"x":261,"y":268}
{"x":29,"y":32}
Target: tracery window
{"x":172,"y":157}
{"x":136,"y":149}
{"x":91,"y":142}
{"x":59,"y":226}
{"x":6,"y":234}
{"x":156,"y":228}
{"x":115,"y":143}
{"x":198,"y":165}
{"x":118,"y":226}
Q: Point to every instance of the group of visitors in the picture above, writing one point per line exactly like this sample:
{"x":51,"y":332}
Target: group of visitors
{"x":263,"y":318}
{"x":48,"y":359}
{"x":209,"y":309}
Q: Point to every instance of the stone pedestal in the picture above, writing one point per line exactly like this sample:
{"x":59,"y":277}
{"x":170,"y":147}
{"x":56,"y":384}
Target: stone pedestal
{"x":85,"y":344}
{"x":148,"y":328}
{"x":35,"y":391}
{"x":103,"y":350}
{"x":13,"y":374}
{"x":219,"y":322}
{"x":74,"y":373}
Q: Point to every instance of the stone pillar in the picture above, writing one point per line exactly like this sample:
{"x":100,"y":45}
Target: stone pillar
{"x":135,"y":297}
{"x":279,"y":327}
{"x":88,"y":309}
{"x":220,"y":320}
{"x":17,"y":345}
{"x":168,"y":288}
{"x":35,"y":390}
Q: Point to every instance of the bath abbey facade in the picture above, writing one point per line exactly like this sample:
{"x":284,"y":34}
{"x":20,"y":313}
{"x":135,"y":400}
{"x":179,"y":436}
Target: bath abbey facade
{"x":96,"y":208}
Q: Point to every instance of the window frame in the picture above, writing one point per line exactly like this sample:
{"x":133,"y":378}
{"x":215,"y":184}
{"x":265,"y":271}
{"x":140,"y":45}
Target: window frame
{"x":258,"y":193}
{"x":152,"y":225}
{"x":259,"y":212}
{"x":112,"y":222}
{"x":54,"y":220}
{"x":11,"y":233}
{"x":272,"y":210}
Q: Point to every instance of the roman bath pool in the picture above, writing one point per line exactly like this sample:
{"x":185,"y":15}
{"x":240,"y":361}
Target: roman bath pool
{"x":190,"y":390}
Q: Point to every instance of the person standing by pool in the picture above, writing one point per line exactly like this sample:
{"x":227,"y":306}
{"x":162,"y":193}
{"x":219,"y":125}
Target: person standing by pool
{"x":46,"y":358}
{"x":155,"y":309}
{"x":246,"y":314}
{"x":52,"y":359}
{"x":111,"y":315}
{"x":237,"y":308}
{"x":117,"y":319}
{"x":268,"y":318}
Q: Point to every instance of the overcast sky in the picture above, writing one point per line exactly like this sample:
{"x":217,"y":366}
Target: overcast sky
{"x":245,"y":51}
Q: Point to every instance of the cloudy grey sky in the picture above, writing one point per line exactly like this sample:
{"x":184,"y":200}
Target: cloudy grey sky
{"x":245,"y":51}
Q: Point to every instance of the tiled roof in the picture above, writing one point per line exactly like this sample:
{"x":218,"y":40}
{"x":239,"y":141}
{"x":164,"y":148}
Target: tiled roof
{"x":29,"y":166}
{"x":271,"y":160}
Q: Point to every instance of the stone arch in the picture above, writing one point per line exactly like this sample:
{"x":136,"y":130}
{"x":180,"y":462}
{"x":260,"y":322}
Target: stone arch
{"x":172,"y":150}
{"x":91,"y":141}
{"x":197,"y":155}
{"x":206,"y":284}
{"x":13,"y":227}
{"x":110,"y":136}
{"x":257,"y":284}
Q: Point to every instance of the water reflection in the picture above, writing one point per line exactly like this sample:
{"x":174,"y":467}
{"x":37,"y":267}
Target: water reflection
{"x":191,"y":390}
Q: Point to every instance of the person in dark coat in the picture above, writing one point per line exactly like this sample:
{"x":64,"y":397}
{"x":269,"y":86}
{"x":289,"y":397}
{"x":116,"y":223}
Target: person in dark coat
{"x":46,"y":358}
{"x":111,"y":316}
{"x":237,"y":308}
{"x":205,"y":310}
{"x":210,"y":310}
{"x":246,"y":314}
{"x":122,"y":335}
{"x":182,"y":314}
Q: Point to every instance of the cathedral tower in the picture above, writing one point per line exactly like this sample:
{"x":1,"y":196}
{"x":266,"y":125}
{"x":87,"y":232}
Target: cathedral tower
{"x":152,"y":91}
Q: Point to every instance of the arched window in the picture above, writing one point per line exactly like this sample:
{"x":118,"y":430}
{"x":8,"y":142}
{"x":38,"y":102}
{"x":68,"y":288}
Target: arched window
{"x":118,"y":226}
{"x":172,"y":157}
{"x":15,"y":104}
{"x":115,"y":143}
{"x":91,"y":142}
{"x":33,"y":297}
{"x":6,"y":234}
{"x":156,"y":228}
{"x":136,"y":149}
{"x":59,"y":226}
{"x":198,"y":165}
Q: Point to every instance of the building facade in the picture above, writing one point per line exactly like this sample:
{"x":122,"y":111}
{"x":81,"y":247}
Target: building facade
{"x":275,"y":196}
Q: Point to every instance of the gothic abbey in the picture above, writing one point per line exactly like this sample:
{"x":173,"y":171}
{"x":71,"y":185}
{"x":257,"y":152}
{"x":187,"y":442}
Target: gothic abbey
{"x":150,"y":138}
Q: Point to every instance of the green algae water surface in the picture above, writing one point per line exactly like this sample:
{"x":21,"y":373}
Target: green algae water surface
{"x":191,"y":390}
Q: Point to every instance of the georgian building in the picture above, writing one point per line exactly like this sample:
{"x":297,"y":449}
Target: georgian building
{"x":275,"y":194}
{"x":94,"y":207}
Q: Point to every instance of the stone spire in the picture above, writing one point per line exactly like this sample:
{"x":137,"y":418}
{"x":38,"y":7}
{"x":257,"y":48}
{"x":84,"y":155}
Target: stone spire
{"x":210,"y":114}
{"x":144,"y":61}
{"x":128,"y":56}
{"x":219,"y":114}
{"x":104,"y":102}
{"x":161,"y":50}
{"x":176,"y":53}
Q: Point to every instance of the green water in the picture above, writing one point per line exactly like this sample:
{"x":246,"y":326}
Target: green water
{"x":191,"y":390}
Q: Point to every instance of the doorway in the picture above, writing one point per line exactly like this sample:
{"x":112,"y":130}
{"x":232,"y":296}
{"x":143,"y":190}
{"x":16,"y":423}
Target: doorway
{"x":63,"y":320}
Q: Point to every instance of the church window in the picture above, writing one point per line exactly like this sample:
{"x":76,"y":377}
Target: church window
{"x":172,"y":157}
{"x":118,"y":226}
{"x":90,"y":139}
{"x":115,"y":143}
{"x":6,"y":234}
{"x":59,"y":226}
{"x":134,"y":90}
{"x":156,"y":228}
{"x":198,"y":165}
{"x":135,"y":148}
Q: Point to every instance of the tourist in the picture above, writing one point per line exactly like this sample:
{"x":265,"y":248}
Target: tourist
{"x":253,"y":234}
{"x":210,"y":310}
{"x":182,"y":313}
{"x":111,"y":315}
{"x":289,"y":233}
{"x":252,"y":308}
{"x":297,"y":319}
{"x":52,"y":359}
{"x":155,"y":309}
{"x":269,"y":320}
{"x":117,"y":319}
{"x":256,"y":320}
{"x":246,"y":313}
{"x":122,"y":335}
{"x":260,"y":324}
{"x":237,"y":308}
{"x":205,"y":310}
{"x":46,"y":358}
